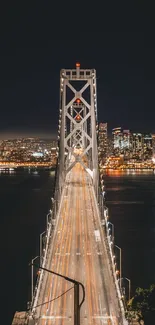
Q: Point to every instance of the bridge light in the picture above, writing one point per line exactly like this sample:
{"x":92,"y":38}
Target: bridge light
{"x":78,"y":101}
{"x":77,"y":65}
{"x":78,"y":117}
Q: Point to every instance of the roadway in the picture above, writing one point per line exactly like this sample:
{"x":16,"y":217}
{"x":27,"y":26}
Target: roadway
{"x":79,"y":254}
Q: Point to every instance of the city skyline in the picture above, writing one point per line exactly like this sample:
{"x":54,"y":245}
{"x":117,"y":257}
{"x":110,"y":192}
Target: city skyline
{"x":20,"y":133}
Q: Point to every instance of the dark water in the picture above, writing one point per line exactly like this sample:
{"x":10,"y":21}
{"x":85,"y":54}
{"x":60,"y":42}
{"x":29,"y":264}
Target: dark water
{"x":131,"y":202}
{"x":24,"y":203}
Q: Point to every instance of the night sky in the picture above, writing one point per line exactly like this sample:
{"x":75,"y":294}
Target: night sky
{"x":32,"y":52}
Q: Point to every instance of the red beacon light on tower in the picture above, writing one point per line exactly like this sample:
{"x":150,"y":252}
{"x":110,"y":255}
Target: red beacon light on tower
{"x":77,"y":65}
{"x":78,"y":118}
{"x":78,"y":101}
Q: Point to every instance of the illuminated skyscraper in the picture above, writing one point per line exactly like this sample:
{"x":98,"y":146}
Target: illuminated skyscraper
{"x":147,"y":146}
{"x":117,"y":141}
{"x":137,"y":146}
{"x":102,"y":141}
{"x":126,"y":144}
{"x":126,"y":139}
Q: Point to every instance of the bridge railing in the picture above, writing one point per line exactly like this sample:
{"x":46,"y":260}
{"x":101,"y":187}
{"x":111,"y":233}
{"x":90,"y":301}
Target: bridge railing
{"x":43,"y":258}
{"x":50,"y":236}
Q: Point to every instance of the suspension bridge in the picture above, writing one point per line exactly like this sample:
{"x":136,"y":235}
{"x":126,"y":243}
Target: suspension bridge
{"x":77,"y":281}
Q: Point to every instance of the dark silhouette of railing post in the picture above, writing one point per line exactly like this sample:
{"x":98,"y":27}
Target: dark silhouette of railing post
{"x":76,"y":305}
{"x":77,"y":284}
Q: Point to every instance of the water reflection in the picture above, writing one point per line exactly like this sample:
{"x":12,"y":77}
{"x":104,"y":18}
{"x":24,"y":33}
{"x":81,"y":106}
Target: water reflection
{"x":119,"y":172}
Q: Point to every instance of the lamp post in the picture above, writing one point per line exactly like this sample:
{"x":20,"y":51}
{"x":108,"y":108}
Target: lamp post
{"x":41,"y":245}
{"x":32,"y":276}
{"x":112,"y":225}
{"x":47,"y":220}
{"x":129,"y":282}
{"x":120,"y":262}
{"x":77,"y":284}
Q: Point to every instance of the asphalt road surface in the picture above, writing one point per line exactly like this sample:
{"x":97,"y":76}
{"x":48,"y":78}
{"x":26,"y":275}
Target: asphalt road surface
{"x":78,"y":252}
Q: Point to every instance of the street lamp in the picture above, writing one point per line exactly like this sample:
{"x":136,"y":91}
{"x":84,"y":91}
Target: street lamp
{"x":120,"y":262}
{"x":112,"y":225}
{"x":47,"y":220}
{"x":77,"y":284}
{"x":41,"y":245}
{"x":129,"y":282}
{"x":32,"y":276}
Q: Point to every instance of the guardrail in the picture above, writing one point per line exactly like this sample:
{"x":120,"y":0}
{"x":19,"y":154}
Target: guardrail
{"x":50,"y":235}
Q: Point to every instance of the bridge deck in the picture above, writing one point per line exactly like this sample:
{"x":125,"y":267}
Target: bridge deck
{"x":78,"y":252}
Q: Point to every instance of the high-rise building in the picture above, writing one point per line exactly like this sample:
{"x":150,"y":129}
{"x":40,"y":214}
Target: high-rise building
{"x":147,"y":146}
{"x":126,"y":139}
{"x":117,"y":141}
{"x":137,"y":146}
{"x":122,"y":142}
{"x":102,"y":141}
{"x":126,"y":148}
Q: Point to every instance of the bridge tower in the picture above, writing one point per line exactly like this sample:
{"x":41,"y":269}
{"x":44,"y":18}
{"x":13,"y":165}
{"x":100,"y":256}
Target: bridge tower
{"x":77,"y":123}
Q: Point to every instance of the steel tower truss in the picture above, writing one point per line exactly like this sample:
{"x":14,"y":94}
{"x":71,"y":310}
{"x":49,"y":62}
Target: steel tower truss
{"x":78,"y":123}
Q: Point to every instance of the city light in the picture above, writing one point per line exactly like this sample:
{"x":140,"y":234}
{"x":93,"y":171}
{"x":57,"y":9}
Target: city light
{"x":125,"y":150}
{"x":31,"y":152}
